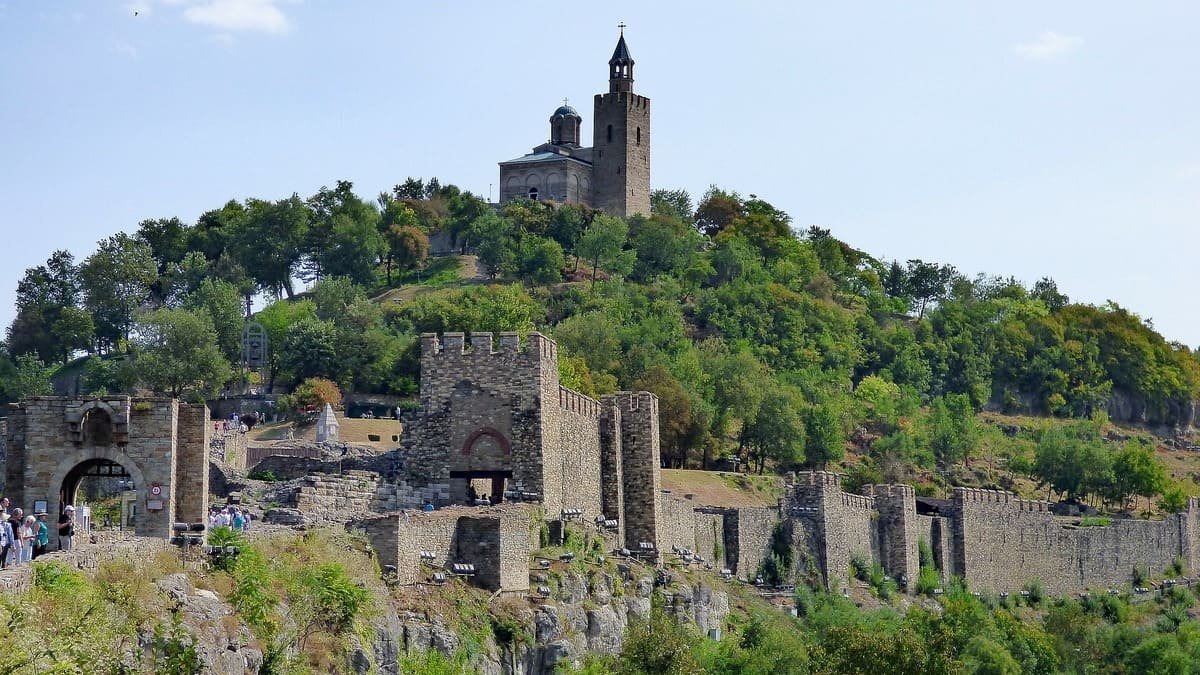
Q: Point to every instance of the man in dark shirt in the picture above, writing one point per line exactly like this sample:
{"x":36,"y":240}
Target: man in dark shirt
{"x":66,"y":528}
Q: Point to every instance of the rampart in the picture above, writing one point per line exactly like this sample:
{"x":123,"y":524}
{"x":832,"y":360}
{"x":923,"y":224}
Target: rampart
{"x":1001,"y":542}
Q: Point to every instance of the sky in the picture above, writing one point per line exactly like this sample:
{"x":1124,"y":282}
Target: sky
{"x":1023,"y":138}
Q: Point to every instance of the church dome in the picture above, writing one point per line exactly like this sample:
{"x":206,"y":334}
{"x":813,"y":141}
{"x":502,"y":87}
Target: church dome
{"x":565,"y":111}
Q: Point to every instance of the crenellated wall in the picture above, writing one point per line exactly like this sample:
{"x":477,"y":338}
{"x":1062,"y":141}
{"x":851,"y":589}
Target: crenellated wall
{"x":495,"y":540}
{"x":1000,"y":543}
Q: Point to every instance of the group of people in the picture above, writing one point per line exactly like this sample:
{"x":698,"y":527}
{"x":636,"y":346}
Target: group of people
{"x":231,"y":517}
{"x":25,"y":537}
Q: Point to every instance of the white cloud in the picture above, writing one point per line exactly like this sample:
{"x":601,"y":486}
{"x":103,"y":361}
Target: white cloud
{"x":239,"y":15}
{"x":1048,"y":46}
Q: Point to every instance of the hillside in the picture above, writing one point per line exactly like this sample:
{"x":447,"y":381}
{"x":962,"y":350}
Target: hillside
{"x":787,"y":348}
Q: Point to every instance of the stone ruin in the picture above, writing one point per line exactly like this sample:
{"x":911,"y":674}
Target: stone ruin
{"x":505,"y":452}
{"x":161,"y":445}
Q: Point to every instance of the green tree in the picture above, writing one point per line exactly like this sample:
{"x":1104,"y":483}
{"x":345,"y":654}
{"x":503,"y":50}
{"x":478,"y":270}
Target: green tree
{"x":23,"y":377}
{"x":44,"y":294}
{"x":309,"y":349}
{"x":602,"y":245}
{"x":494,"y":243}
{"x":825,"y":440}
{"x":116,"y":281}
{"x":408,"y":246}
{"x":222,"y":302}
{"x":1137,"y":472}
{"x":777,"y":431}
{"x":277,"y":319}
{"x":953,"y":431}
{"x":927,"y":281}
{"x":177,"y":354}
{"x":269,"y":242}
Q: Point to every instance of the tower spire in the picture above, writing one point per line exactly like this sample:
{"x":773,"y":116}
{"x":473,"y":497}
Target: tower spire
{"x":620,"y":66}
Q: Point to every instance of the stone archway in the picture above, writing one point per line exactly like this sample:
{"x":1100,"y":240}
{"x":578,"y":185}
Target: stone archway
{"x":53,"y":443}
{"x":69,"y":473}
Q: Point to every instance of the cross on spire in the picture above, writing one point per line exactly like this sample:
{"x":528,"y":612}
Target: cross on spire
{"x":566,"y":100}
{"x":622,"y":27}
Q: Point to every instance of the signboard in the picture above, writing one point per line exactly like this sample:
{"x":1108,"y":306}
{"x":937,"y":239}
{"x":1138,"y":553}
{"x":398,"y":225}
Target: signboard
{"x":155,"y":490}
{"x":39,"y":506}
{"x":154,"y":505}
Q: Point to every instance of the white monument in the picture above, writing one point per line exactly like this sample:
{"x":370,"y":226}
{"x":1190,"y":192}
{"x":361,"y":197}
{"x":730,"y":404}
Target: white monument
{"x":327,"y":426}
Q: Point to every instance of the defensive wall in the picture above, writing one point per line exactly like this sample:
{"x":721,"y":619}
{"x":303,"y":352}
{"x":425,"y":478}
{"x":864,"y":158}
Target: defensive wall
{"x":990,"y":538}
{"x":495,"y":421}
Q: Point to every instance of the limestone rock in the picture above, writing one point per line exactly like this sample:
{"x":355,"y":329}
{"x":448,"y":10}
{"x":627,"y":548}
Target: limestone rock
{"x":605,"y":631}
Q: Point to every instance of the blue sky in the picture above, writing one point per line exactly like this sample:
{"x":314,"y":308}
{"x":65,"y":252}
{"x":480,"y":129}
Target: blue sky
{"x":1016,"y":138}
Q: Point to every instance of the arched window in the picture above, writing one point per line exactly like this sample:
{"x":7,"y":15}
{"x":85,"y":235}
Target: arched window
{"x":610,"y":133}
{"x":639,"y":135}
{"x":533,"y":193}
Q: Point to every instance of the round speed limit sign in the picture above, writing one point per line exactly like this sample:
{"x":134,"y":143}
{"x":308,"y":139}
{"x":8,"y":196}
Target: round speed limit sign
{"x":156,"y":490}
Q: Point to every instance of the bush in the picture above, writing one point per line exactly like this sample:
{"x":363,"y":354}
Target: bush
{"x":859,"y":567}
{"x":928,"y":581}
{"x":225,"y":536}
{"x":263,"y":475}
{"x":1037,"y":593}
{"x":1140,"y":576}
{"x":311,"y":396}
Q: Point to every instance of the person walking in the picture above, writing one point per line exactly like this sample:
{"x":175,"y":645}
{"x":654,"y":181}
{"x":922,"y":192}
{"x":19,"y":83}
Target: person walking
{"x":28,"y":536}
{"x":42,"y":540}
{"x":66,"y":528}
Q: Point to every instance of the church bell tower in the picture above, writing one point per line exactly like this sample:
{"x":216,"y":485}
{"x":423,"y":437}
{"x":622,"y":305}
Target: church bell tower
{"x":621,"y":147}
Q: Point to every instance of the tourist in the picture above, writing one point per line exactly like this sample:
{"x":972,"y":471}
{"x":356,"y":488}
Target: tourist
{"x":6,"y":537}
{"x":245,"y":520}
{"x":428,"y":506}
{"x":28,"y":537}
{"x":236,"y":520}
{"x":17,"y":517}
{"x":43,"y":535}
{"x":66,"y":528}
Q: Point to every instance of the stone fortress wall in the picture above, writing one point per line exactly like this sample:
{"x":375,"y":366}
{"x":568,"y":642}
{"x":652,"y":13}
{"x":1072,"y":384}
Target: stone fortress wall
{"x":161,"y":444}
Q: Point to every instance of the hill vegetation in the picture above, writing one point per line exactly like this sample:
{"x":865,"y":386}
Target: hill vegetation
{"x":780,"y":347}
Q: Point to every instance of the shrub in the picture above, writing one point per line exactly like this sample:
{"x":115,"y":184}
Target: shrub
{"x":924,"y":553}
{"x":173,"y":651}
{"x":263,"y":475}
{"x":928,"y":581}
{"x":1140,"y":575}
{"x":1095,"y":521}
{"x":311,"y":394}
{"x":859,"y":567}
{"x":56,"y":578}
{"x":1037,"y":593}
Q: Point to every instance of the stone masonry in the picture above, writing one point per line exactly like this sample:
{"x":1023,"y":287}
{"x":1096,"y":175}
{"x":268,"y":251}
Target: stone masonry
{"x":162,"y":444}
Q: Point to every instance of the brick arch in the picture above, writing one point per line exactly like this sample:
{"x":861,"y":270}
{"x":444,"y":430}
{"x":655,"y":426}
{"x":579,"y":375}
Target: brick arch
{"x":73,"y":459}
{"x":486,"y":431}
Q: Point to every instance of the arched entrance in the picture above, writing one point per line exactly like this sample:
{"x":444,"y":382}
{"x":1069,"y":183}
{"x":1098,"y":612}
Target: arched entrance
{"x":484,"y":467}
{"x":107,"y":488}
{"x":99,"y":470}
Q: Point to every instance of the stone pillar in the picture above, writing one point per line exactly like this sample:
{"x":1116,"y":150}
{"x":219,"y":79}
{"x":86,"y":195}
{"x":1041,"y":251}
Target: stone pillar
{"x":641,"y":468}
{"x":191,"y":464}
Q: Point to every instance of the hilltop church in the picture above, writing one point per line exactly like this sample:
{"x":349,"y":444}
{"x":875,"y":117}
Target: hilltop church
{"x":614,"y":174}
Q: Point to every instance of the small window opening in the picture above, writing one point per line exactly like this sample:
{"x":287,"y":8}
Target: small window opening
{"x":533,"y":193}
{"x":639,"y":135}
{"x":610,"y":133}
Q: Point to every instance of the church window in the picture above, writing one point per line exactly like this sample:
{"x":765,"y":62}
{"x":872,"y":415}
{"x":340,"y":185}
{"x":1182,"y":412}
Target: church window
{"x":533,"y":193}
{"x":639,"y":135}
{"x":610,"y":133}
